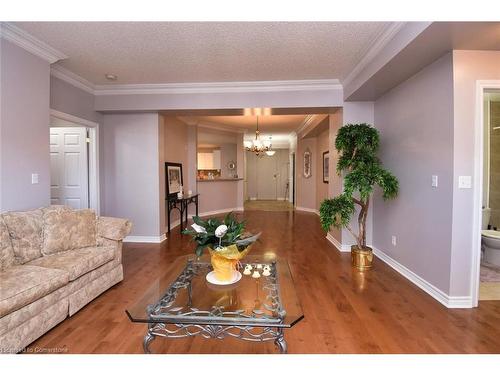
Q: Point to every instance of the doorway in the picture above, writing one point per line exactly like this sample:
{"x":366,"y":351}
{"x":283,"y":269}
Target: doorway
{"x":73,"y":162}
{"x":486,"y":236}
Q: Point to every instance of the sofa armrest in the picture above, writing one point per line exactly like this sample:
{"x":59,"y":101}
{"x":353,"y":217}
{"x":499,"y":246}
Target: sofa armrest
{"x":113,"y":228}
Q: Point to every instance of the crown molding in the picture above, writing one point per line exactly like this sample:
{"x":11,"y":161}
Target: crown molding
{"x":213,"y":126}
{"x":307,"y":121}
{"x":72,"y":78}
{"x":217,"y":87}
{"x":193,"y":87}
{"x":381,"y":40}
{"x":29,"y":43}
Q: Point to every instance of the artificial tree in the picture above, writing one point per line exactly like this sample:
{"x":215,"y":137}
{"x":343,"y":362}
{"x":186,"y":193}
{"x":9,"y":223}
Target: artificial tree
{"x":357,"y":145}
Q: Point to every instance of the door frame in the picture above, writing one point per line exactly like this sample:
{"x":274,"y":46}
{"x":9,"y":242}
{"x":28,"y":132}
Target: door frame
{"x":93,"y":155}
{"x":481,"y":86}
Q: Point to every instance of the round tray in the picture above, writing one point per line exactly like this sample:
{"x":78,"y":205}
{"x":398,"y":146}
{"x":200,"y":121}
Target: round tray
{"x":213,"y":280}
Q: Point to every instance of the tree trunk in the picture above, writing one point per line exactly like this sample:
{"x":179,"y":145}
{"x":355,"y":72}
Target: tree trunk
{"x":363,"y":214}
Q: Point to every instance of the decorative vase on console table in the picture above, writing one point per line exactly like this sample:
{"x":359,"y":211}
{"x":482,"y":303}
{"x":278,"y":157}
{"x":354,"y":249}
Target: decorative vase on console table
{"x":227,"y":244}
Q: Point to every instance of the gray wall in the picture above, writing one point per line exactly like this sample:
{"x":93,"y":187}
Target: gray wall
{"x":130,"y":161}
{"x":416,"y":126}
{"x":24,"y":129}
{"x":72,"y":100}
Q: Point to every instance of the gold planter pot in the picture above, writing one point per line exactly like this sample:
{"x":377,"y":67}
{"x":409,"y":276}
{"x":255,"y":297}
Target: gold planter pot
{"x":362,"y":259}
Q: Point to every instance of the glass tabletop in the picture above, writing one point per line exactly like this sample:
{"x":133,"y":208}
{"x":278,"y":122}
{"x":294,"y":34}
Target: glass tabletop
{"x":181,"y":294}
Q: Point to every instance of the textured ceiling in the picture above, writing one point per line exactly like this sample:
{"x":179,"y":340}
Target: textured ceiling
{"x":174,"y":52}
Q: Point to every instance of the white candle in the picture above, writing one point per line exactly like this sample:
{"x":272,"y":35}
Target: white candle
{"x":247,"y":271}
{"x":266,"y":272}
{"x":256,"y":274}
{"x":259,"y":266}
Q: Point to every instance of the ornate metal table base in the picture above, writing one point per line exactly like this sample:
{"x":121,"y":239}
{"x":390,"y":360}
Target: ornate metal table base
{"x":247,"y":333}
{"x":252,"y":310}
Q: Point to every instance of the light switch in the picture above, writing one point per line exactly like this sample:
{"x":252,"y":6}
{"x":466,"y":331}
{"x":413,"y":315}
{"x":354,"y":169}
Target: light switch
{"x":464,"y":182}
{"x":434,"y":181}
{"x":34,"y":178}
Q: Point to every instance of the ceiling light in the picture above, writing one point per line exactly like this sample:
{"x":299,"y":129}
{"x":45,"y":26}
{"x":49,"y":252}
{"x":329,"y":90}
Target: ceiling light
{"x":257,"y":146}
{"x":111,"y":77}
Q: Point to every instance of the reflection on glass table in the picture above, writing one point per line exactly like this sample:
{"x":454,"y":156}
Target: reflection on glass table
{"x":181,"y":303}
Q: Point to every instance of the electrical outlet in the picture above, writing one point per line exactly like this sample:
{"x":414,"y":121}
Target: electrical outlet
{"x":393,"y":240}
{"x":34,"y":178}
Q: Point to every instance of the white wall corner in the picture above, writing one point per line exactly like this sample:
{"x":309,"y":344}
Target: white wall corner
{"x":29,"y":43}
{"x":433,"y":291}
{"x":340,"y":247}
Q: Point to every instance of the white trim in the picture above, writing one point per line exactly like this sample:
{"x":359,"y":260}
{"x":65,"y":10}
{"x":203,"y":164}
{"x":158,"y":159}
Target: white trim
{"x":481,"y":86}
{"x":177,"y":222}
{"x":280,"y":199}
{"x":217,"y":212}
{"x":305,"y":209}
{"x":193,"y":87}
{"x":94,"y":184}
{"x":217,"y":87}
{"x":375,"y":48}
{"x":340,"y":247}
{"x":305,"y":123}
{"x":146,"y":239}
{"x":94,"y":187}
{"x":208,"y":125}
{"x":29,"y":43}
{"x":433,"y":291}
{"x":253,"y":198}
{"x":72,"y":78}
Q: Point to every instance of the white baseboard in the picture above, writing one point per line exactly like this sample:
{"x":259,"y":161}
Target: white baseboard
{"x":337,"y":244}
{"x":217,"y":212}
{"x":253,"y":198}
{"x":305,"y":209}
{"x":433,"y":291}
{"x":146,"y":239}
{"x":280,"y":198}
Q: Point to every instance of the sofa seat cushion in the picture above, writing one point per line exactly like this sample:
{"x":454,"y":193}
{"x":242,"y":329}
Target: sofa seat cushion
{"x":67,"y":229}
{"x":77,"y":262}
{"x":25,"y":230}
{"x":22,"y":285}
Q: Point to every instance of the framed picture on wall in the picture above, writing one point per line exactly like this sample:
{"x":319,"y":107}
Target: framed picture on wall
{"x":173,"y":178}
{"x":307,"y":164}
{"x":326,"y":163}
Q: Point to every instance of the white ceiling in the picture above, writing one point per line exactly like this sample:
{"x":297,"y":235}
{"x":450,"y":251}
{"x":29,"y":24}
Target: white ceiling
{"x":174,"y":52}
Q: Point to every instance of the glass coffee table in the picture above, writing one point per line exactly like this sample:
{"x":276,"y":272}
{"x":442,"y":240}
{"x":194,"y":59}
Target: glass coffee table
{"x":181,"y":303}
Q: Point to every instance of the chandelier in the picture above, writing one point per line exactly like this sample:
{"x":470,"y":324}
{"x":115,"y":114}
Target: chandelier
{"x":257,"y":146}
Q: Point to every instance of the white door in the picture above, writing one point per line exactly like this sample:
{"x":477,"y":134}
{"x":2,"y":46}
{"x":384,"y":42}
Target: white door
{"x":267,"y":175}
{"x":69,"y":167}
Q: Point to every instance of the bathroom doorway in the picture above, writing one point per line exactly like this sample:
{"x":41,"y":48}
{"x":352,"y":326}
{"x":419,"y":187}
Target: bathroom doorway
{"x":486,"y":281}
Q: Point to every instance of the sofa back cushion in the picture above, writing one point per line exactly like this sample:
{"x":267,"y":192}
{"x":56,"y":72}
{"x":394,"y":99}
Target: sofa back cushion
{"x":25,"y":231}
{"x":66,"y":229}
{"x":6,"y":251}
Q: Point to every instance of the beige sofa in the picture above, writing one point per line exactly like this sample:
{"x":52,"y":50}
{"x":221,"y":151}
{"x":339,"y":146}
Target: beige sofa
{"x":53,"y":261}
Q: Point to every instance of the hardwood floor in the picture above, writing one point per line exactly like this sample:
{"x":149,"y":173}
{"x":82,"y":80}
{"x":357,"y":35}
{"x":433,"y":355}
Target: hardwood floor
{"x":345,"y":311}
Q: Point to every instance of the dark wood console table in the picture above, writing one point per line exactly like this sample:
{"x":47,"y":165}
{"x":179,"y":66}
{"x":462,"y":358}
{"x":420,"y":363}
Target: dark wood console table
{"x":181,"y":204}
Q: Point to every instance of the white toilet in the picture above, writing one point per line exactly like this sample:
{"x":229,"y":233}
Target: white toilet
{"x":490,"y":240}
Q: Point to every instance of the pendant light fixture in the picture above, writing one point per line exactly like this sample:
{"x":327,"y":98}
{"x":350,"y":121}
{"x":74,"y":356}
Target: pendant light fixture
{"x":257,"y":146}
